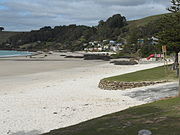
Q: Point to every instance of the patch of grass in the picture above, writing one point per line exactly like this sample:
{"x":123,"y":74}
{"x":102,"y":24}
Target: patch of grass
{"x":154,"y":74}
{"x":145,"y":21}
{"x":161,"y":117}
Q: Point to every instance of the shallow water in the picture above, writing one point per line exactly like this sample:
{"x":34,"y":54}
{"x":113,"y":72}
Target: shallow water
{"x":4,"y":53}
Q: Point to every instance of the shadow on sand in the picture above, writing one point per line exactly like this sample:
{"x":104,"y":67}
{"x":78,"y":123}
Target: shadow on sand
{"x":34,"y":132}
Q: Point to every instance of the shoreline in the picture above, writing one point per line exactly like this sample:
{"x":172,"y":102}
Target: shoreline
{"x":64,"y":94}
{"x":18,"y":55}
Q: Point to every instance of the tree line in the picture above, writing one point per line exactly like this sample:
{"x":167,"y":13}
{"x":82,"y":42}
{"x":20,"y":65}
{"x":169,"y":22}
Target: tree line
{"x":68,"y":37}
{"x":73,"y":37}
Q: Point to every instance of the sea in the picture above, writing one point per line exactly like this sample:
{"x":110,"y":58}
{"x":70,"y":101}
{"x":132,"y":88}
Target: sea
{"x":4,"y":53}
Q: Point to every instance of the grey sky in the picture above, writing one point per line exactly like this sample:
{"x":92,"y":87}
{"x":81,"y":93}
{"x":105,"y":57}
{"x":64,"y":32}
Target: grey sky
{"x":20,"y":15}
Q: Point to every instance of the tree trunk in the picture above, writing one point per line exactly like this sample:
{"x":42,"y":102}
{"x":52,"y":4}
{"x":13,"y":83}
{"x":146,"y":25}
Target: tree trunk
{"x":176,"y":64}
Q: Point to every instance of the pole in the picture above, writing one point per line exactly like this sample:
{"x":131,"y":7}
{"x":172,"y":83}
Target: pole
{"x":164,"y":50}
{"x":179,"y":73}
{"x":166,"y":66}
{"x":179,"y":82}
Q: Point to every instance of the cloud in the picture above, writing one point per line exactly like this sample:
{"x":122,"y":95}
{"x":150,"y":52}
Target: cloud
{"x":32,"y":14}
{"x":122,"y":2}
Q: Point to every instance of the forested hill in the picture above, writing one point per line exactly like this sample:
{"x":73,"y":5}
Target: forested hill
{"x":4,"y":35}
{"x":73,"y":37}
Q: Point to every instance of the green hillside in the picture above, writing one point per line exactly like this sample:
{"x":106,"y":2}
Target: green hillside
{"x":4,"y":35}
{"x":73,"y":37}
{"x":145,"y":21}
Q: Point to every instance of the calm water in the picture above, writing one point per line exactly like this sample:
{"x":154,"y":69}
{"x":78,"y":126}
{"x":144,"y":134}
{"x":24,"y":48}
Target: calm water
{"x":13,"y":53}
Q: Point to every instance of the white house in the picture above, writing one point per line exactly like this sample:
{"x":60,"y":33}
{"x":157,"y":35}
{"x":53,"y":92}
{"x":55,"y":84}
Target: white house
{"x":112,"y":42}
{"x":154,"y":40}
{"x":115,"y":48}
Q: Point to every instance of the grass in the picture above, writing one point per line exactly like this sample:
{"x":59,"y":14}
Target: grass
{"x":145,"y":21}
{"x":161,"y":117}
{"x":154,"y":74}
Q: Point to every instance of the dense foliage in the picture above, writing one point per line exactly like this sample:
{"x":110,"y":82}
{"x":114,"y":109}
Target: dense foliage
{"x":170,"y":26}
{"x":55,"y":38}
{"x":1,"y":28}
{"x":75,"y":37}
{"x":111,"y":28}
{"x":67,"y":37}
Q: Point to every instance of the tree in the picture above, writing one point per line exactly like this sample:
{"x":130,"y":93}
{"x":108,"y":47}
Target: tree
{"x":116,"y":21}
{"x":1,"y":28}
{"x":175,"y":6}
{"x":133,"y":36}
{"x":111,"y":28}
{"x":170,"y":34}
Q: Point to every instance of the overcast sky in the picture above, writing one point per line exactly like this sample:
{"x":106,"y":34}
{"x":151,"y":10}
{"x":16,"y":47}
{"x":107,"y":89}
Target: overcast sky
{"x":25,"y":15}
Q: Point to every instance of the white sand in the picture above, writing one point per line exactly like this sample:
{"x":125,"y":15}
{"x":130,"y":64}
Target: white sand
{"x":42,"y":99}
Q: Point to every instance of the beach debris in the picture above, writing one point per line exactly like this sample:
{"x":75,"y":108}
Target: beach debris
{"x":73,"y":110}
{"x":144,"y":132}
{"x":67,"y":108}
{"x":55,"y":113}
{"x":9,"y":131}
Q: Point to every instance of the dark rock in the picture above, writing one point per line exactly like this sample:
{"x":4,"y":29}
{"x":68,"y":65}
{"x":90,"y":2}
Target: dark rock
{"x":63,"y":55}
{"x":55,"y":113}
{"x":124,"y":57}
{"x":70,"y":56}
{"x":96,"y":57}
{"x":124,"y":62}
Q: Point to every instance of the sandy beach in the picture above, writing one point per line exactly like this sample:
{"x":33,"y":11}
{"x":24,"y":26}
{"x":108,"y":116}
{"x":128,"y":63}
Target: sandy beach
{"x":39,"y":96}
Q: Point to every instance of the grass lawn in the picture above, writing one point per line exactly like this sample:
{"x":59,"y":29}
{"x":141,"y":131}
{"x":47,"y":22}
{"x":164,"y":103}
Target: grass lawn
{"x":161,"y":117}
{"x":154,"y":74}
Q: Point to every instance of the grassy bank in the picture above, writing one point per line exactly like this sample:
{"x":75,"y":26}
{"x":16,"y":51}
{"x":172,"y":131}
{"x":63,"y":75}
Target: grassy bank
{"x":161,"y":117}
{"x":154,"y":74}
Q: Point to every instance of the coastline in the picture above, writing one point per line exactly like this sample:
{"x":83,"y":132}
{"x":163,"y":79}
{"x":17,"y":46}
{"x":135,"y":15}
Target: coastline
{"x":25,"y":54}
{"x":35,"y":97}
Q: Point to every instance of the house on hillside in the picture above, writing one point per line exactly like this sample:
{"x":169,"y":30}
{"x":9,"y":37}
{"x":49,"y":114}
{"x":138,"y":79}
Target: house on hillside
{"x":150,"y":41}
{"x":112,"y":42}
{"x":154,"y":40}
{"x":115,"y":48}
{"x":104,"y":45}
{"x":140,"y":41}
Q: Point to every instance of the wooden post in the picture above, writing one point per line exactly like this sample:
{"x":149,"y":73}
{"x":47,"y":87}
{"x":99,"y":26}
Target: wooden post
{"x":179,"y":73}
{"x":164,"y":50}
{"x":179,"y":82}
